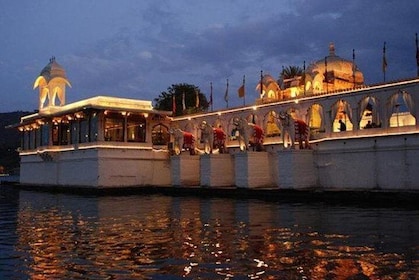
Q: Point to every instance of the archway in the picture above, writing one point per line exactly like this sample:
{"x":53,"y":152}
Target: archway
{"x":253,"y":118}
{"x":160,"y":134}
{"x":316,"y":119}
{"x":369,"y":113}
{"x":271,"y":127}
{"x":401,"y":110}
{"x":341,"y":113}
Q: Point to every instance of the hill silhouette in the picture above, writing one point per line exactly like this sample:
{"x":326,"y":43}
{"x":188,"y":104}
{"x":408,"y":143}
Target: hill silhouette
{"x":9,"y":141}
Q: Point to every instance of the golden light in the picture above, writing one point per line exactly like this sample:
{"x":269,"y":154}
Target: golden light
{"x":254,"y":108}
{"x":295,"y":92}
{"x":145,"y":115}
{"x":219,"y":113}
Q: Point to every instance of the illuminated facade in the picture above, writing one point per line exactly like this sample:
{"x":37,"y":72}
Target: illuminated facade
{"x":330,"y":74}
{"x":98,"y":119}
{"x":116,"y":142}
{"x":51,"y":83}
{"x":95,"y":136}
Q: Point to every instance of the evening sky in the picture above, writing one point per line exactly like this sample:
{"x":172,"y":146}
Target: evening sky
{"x":137,"y":49}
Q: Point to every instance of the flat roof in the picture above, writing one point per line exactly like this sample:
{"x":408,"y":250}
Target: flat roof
{"x":97,"y":102}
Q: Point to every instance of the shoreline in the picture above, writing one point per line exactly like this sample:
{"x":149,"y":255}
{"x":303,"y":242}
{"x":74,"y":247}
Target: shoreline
{"x":361,"y":198}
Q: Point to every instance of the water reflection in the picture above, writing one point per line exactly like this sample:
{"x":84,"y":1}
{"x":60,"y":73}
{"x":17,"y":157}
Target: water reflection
{"x":159,"y":237}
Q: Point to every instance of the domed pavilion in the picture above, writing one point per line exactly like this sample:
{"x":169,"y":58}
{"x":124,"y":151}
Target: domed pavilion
{"x":52,"y":83}
{"x":332,"y":73}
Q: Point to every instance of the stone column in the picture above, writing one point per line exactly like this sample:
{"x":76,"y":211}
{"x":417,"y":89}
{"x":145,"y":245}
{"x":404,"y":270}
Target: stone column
{"x":100,"y":126}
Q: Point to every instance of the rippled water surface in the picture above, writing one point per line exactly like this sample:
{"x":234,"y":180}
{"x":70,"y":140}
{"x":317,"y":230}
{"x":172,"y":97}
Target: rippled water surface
{"x":61,"y":236}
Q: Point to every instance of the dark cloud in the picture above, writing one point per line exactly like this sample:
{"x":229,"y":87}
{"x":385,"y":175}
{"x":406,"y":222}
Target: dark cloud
{"x":138,"y":49}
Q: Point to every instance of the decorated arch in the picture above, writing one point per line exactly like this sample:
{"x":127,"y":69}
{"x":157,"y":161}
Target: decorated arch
{"x":369,"y":115}
{"x":271,"y":126}
{"x":401,"y":110}
{"x":315,"y":118}
{"x":160,"y":134}
{"x":341,"y":112}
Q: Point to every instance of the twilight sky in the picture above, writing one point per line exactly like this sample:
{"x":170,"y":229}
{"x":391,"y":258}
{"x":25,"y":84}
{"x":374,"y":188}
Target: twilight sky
{"x":137,"y":49}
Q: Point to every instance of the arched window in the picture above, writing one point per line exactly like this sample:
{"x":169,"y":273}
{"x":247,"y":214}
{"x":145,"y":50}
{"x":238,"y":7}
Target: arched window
{"x":271,"y":126}
{"x":252,"y":118}
{"x":369,"y":113}
{"x":160,"y":135}
{"x":341,"y":113}
{"x":308,"y":86}
{"x":401,"y":110}
{"x":316,"y":118}
{"x":233,"y":133}
{"x":318,"y":83}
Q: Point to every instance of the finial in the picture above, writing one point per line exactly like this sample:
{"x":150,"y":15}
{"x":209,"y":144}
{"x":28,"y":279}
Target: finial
{"x":331,"y":48}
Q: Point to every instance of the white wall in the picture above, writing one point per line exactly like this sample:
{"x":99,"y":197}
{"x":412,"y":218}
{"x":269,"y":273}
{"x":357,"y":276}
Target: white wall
{"x":386,"y":162}
{"x":377,"y":162}
{"x":100,"y":167}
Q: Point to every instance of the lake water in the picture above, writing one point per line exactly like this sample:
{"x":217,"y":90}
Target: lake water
{"x":62,"y":236}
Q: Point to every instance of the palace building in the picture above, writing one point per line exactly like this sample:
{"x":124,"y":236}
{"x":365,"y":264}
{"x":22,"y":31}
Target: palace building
{"x":104,"y":142}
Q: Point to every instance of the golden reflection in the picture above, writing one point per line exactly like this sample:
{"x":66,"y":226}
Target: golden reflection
{"x":131,"y":237}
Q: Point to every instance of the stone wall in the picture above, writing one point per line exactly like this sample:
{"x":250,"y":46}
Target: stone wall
{"x":99,"y":167}
{"x":386,"y":162}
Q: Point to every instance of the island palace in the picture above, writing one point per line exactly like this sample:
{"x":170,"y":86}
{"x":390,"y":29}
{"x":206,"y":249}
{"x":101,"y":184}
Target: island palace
{"x":361,"y":137}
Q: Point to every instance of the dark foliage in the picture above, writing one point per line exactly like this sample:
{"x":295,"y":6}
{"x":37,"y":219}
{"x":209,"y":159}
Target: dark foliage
{"x":9,"y":141}
{"x":176,"y":92}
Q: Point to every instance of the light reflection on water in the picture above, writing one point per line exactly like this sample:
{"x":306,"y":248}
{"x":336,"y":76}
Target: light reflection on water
{"x":59,"y":236}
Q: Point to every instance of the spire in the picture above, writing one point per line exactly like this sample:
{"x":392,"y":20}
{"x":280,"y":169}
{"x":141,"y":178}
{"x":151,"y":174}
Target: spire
{"x":332,"y":49}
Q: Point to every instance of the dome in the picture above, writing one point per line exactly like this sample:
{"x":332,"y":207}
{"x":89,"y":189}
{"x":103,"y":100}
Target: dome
{"x":270,"y":87}
{"x":53,"y":70}
{"x":52,"y":82}
{"x":341,"y":68}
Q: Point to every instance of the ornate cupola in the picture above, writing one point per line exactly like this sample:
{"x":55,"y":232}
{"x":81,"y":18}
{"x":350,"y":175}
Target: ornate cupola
{"x":333,"y":72}
{"x":52,"y":82}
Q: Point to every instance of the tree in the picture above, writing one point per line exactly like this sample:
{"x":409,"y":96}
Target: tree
{"x":185,"y":96}
{"x":288,"y":73}
{"x":291,"y":72}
